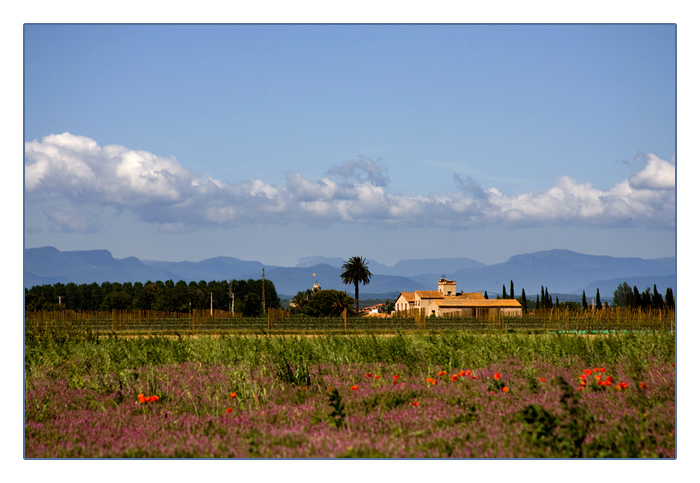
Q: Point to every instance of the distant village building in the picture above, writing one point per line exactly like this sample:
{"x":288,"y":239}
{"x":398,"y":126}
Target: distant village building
{"x":372,"y":309}
{"x":446,"y":302}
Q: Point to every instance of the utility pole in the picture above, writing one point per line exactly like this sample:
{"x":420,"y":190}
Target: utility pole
{"x":263,"y":289}
{"x":211,"y":295}
{"x":231,"y":295}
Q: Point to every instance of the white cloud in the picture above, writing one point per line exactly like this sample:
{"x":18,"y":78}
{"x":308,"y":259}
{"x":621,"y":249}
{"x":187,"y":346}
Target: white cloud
{"x":75,"y":170}
{"x":656,"y":175}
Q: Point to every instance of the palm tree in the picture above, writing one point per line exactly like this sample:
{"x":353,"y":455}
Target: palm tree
{"x":355,"y":271}
{"x":339,"y":301}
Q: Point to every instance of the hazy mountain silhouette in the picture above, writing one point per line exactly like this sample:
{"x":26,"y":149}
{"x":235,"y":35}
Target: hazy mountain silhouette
{"x":561,"y":271}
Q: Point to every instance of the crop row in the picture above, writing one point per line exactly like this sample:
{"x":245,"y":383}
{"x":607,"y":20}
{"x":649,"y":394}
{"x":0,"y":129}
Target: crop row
{"x":116,"y":323}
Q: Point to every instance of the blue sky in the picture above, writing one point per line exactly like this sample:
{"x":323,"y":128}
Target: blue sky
{"x":275,"y":142}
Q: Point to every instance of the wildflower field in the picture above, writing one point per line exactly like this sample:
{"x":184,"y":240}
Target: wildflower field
{"x":418,"y":395}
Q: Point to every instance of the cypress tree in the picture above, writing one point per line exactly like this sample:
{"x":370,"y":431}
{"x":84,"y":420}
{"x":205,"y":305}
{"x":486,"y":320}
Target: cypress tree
{"x":668,"y":301}
{"x":584,"y":303}
{"x":486,"y":294}
{"x":658,"y":300}
{"x":636,"y":298}
{"x":504,"y":293}
{"x":547,"y":299}
{"x":542,"y":297}
{"x":524,"y":300}
{"x":512,"y":292}
{"x":537,"y":302}
{"x":646,"y":299}
{"x":598,"y":304}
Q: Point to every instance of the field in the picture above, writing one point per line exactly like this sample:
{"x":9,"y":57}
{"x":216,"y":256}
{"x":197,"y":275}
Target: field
{"x":419,"y":394}
{"x":143,"y":322}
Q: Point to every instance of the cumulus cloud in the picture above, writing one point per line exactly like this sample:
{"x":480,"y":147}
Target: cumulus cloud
{"x":75,"y":170}
{"x":656,"y":175}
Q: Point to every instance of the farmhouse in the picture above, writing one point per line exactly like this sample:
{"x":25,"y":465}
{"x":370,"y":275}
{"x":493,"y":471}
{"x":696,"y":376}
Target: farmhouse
{"x":445,"y":301}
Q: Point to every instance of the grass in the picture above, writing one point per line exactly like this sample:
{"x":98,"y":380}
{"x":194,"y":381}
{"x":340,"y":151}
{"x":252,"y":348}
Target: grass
{"x":294,"y":395}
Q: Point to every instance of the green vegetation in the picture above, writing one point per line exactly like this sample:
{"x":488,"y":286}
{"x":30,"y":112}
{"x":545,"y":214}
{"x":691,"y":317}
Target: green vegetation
{"x":157,"y":296}
{"x":421,"y":395}
{"x":322,"y":303}
{"x":631,"y":297}
{"x":355,"y":270}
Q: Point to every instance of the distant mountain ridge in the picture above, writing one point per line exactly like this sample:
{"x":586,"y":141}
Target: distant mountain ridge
{"x":561,"y":271}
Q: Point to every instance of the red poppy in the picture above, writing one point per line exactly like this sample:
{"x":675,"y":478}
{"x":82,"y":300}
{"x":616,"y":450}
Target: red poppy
{"x":415,"y":403}
{"x":601,"y":369}
{"x":580,"y":388}
{"x":542,"y":379}
{"x":354,"y":387}
{"x":455,"y":377}
{"x":377,"y":376}
{"x":229,"y":410}
{"x":497,"y":376}
{"x":469,"y":371}
{"x":155,"y":398}
{"x":587,"y":371}
{"x":233,"y":394}
{"x":473,"y":377}
{"x":582,"y":376}
{"x":369,"y":374}
{"x":396,"y":377}
{"x":609,"y":378}
{"x":141,"y":398}
{"x":643,"y":385}
{"x":491,"y":392}
{"x":430,"y":380}
{"x":442,"y":373}
{"x":462,"y":373}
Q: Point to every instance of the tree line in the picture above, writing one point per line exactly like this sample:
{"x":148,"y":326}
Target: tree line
{"x":168,"y":296}
{"x":624,"y":296}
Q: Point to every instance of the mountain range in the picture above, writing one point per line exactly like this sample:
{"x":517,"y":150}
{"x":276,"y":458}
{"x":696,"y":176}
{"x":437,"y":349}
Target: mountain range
{"x":561,"y":271}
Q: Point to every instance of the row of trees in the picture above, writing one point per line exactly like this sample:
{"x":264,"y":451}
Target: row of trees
{"x":165,"y":296}
{"x":542,"y":301}
{"x":625,"y":296}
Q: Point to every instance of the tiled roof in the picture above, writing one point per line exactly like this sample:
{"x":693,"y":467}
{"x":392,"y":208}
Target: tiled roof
{"x":429,"y":294}
{"x":409,"y":296}
{"x":468,"y":295}
{"x":460,"y":302}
